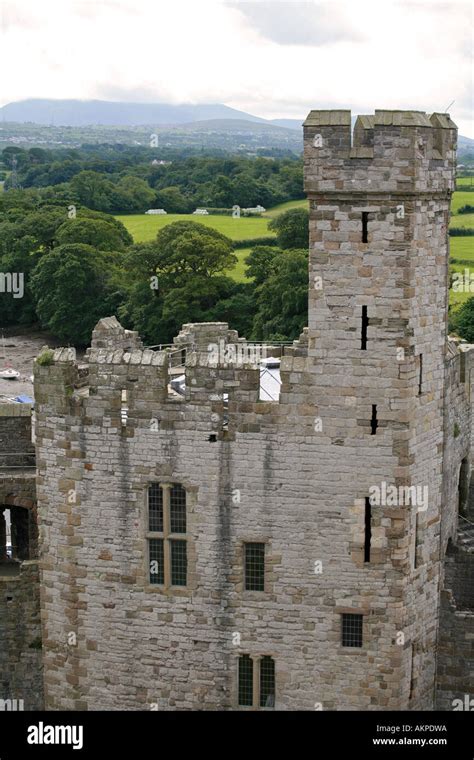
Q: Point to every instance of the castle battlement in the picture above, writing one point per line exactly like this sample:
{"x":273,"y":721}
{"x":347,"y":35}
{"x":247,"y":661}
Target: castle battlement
{"x":165,"y":475}
{"x":400,"y":152}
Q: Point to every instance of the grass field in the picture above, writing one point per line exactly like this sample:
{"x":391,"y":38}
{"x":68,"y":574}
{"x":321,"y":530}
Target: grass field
{"x":143,"y":227}
{"x":465,"y":182}
{"x":461,"y":198}
{"x":462,"y":220}
{"x":462,"y":248}
{"x":238,"y":272}
{"x":272,"y":212}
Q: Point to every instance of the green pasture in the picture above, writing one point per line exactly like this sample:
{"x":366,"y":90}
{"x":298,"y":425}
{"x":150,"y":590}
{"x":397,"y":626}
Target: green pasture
{"x":272,"y":212}
{"x":144,"y":227}
{"x":465,"y":182}
{"x":461,"y":198}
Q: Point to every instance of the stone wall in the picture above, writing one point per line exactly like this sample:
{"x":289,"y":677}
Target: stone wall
{"x":15,"y":435}
{"x":293,"y":474}
{"x":21,"y":668}
{"x":456,"y":632}
{"x":455,"y":642}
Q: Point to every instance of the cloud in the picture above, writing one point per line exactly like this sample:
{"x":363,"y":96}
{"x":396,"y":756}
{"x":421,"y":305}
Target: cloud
{"x":299,"y":22}
{"x":142,"y":94}
{"x":271,"y":59}
{"x":12,"y":16}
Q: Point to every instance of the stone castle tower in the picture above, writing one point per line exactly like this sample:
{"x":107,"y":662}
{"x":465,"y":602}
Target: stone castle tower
{"x":224,"y":548}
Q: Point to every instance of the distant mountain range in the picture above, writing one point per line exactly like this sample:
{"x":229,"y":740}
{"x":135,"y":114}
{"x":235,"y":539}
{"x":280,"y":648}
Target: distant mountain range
{"x":213,"y":116}
{"x":81,"y":113}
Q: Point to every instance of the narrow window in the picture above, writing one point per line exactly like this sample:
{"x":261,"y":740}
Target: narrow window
{"x":17,"y":533}
{"x":155,"y":508}
{"x":177,"y":509}
{"x":267,"y":682}
{"x":365,"y":220}
{"x":351,"y":630}
{"x":365,"y":323}
{"x":368,"y":530}
{"x":124,"y":408}
{"x":412,"y":672}
{"x":157,"y":564}
{"x":256,"y":681}
{"x":373,"y":422}
{"x":415,"y":553}
{"x":167,"y":553}
{"x":179,"y":564}
{"x":16,"y":530}
{"x":420,"y":374}
{"x":245,"y":681}
{"x":463,"y":487}
{"x":254,"y":567}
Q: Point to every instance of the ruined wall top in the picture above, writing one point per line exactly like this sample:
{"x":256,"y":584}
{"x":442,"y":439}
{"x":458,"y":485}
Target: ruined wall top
{"x":388,"y":152}
{"x":109,"y":333}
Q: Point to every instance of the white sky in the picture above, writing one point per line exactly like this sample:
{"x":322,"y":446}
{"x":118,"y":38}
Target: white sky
{"x":272,"y":59}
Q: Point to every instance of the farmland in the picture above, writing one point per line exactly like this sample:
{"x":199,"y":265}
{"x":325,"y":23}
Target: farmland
{"x":145,"y":227}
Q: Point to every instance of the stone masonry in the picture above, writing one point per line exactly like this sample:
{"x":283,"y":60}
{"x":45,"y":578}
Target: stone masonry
{"x":373,"y":396}
{"x":21,"y":669}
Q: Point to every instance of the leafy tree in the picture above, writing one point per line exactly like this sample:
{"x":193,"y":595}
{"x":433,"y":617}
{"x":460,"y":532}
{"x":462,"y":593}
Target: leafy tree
{"x":282,"y":300}
{"x":246,"y":191}
{"x":237,"y":309}
{"x":121,"y":230}
{"x":260,"y":262}
{"x":173,"y":201}
{"x":186,"y":259}
{"x":12,"y":153}
{"x":462,"y":321}
{"x":93,"y":190}
{"x":18,"y":260}
{"x":193,"y":301}
{"x":42,"y":226}
{"x":189,"y":249}
{"x":73,"y":287}
{"x":136,"y":195}
{"x":95,"y":232}
{"x":292,"y":228}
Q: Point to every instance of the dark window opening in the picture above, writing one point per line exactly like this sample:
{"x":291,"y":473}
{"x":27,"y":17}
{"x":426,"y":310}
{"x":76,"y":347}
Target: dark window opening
{"x":267,"y":682}
{"x":373,"y":422}
{"x":157,"y":563}
{"x":254,"y":567}
{"x":463,"y":487}
{"x":245,"y":681}
{"x":213,"y":438}
{"x":167,"y":554}
{"x":351,"y":630}
{"x":365,"y":324}
{"x":412,"y":672}
{"x":179,"y":563}
{"x":365,"y":221}
{"x":178,"y":509}
{"x":155,"y":508}
{"x":420,"y":374}
{"x":14,"y":538}
{"x":367,"y":530}
{"x":415,"y":553}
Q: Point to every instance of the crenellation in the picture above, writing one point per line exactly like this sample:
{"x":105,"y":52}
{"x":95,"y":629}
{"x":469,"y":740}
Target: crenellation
{"x":354,"y":477}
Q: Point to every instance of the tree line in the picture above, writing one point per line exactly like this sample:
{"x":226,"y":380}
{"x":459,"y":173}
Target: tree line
{"x":120,"y":179}
{"x":81,"y":264}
